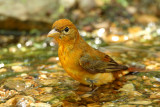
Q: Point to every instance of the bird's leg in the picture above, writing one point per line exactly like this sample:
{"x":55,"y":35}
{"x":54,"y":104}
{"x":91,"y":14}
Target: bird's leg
{"x":92,"y":86}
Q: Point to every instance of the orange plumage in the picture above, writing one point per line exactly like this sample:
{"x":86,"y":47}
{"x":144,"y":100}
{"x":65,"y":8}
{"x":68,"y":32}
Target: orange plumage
{"x":82,"y":62}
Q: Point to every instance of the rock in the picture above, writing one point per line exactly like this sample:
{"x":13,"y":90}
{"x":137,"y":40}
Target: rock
{"x":3,"y":70}
{"x":143,"y":102}
{"x":77,"y":14}
{"x":19,"y":68}
{"x":32,"y":92}
{"x":6,"y":94}
{"x":18,"y":84}
{"x":49,"y":82}
{"x":56,"y":103}
{"x":26,"y":15}
{"x":19,"y":101}
{"x":83,"y":4}
{"x":40,"y":105}
{"x":69,"y":104}
{"x":86,"y":95}
{"x":155,"y":95}
{"x":67,"y":4}
{"x":47,"y":89}
{"x":135,"y":93}
{"x":53,"y":59}
{"x":104,"y":24}
{"x":145,"y":77}
{"x":84,"y":88}
{"x":127,"y":87}
{"x":19,"y":9}
{"x":45,"y":97}
{"x":101,"y":2}
{"x":93,"y":105}
{"x":108,"y":104}
{"x":127,"y":106}
{"x":146,"y":18}
{"x":131,"y":9}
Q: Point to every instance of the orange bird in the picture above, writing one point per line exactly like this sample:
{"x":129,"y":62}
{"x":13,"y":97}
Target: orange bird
{"x":82,"y":62}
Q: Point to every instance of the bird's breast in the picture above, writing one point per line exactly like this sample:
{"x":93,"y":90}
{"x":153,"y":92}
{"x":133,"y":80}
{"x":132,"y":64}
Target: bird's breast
{"x":70,"y":62}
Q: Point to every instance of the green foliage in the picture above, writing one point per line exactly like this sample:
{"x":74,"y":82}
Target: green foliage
{"x":124,"y":3}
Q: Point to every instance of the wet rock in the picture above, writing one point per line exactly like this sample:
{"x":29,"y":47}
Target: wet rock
{"x":135,"y":93}
{"x":86,"y":95}
{"x":47,"y":89}
{"x":155,"y":89}
{"x":18,"y":84}
{"x":88,"y":28}
{"x":147,"y":82}
{"x":131,"y":77}
{"x":27,"y":15}
{"x":53,"y":59}
{"x":56,"y":103}
{"x":15,"y":83}
{"x":155,"y":95}
{"x":145,"y":77}
{"x":3,"y":70}
{"x":69,"y":104}
{"x":32,"y":92}
{"x":93,"y":105}
{"x":19,"y":101}
{"x":84,"y":88}
{"x":127,"y":87}
{"x":49,"y":82}
{"x":20,"y":68}
{"x":72,"y":96}
{"x":45,"y":97}
{"x":83,"y":4}
{"x":67,"y":4}
{"x":156,"y":85}
{"x":77,"y":14}
{"x":104,"y":24}
{"x":12,"y":49}
{"x":131,"y":9}
{"x":40,"y":105}
{"x":143,"y":102}
{"x":6,"y":94}
{"x":127,"y":106}
{"x":108,"y":104}
{"x":146,"y":18}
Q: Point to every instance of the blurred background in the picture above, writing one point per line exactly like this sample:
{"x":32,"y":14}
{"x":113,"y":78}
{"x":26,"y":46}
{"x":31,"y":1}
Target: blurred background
{"x":127,"y":30}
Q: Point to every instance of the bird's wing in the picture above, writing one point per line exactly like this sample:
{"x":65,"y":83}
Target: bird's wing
{"x":100,"y":65}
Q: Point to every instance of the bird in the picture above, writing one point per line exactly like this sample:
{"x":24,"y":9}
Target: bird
{"x":83,"y":63}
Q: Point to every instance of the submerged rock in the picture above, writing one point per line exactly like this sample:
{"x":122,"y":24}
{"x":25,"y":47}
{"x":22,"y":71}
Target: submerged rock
{"x":18,"y":101}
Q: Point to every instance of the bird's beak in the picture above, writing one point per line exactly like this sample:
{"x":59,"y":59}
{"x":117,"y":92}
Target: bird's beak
{"x":53,"y":33}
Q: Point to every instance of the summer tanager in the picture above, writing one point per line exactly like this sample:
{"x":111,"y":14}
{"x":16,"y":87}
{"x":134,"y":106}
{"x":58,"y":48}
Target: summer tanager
{"x":82,"y":62}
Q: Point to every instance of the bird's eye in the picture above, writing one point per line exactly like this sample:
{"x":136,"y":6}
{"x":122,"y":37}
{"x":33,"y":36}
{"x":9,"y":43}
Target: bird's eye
{"x":66,"y":29}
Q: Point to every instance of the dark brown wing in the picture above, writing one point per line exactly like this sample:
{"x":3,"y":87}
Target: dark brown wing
{"x":97,"y":65}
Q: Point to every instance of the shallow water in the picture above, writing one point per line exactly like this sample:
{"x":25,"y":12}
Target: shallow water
{"x":31,"y":74}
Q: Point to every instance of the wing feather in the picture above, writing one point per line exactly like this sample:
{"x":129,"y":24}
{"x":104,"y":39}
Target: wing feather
{"x":100,"y":65}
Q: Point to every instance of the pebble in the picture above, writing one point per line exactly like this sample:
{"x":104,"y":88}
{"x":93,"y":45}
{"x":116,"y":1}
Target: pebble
{"x":40,"y":105}
{"x":127,"y":106}
{"x":45,"y":97}
{"x":145,"y":77}
{"x":3,"y":70}
{"x":86,"y":95}
{"x":141,"y":102}
{"x":18,"y":101}
{"x":93,"y":105}
{"x":127,"y":87}
{"x":155,"y":95}
{"x":18,"y":68}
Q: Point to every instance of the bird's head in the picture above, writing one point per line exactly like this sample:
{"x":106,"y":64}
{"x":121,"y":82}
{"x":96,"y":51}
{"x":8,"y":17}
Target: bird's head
{"x":63,"y":30}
